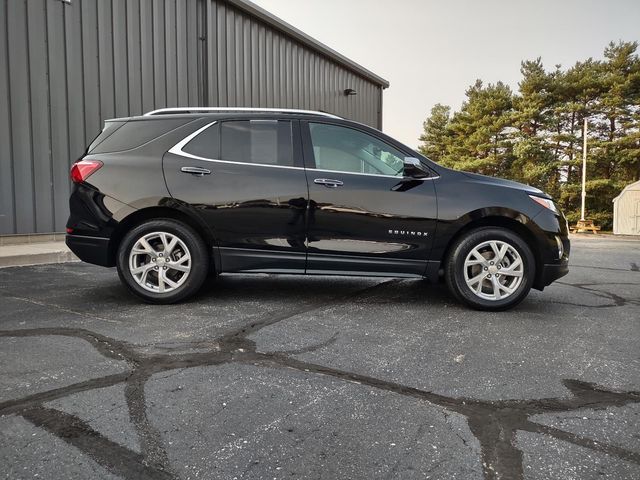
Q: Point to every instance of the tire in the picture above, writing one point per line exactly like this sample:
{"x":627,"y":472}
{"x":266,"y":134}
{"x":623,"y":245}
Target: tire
{"x":152,"y":275}
{"x":471,"y":268}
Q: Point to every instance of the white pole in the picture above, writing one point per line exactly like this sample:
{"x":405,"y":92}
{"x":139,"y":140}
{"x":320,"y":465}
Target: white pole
{"x":584,"y":167}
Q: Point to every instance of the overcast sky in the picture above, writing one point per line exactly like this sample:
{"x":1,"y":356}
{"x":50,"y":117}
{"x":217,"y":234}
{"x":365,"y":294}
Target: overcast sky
{"x":432,"y":50}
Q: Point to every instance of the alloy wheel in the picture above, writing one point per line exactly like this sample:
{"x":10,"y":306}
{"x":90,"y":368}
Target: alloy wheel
{"x":159,"y":262}
{"x":493,"y":270}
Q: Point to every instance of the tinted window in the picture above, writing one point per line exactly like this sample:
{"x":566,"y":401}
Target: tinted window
{"x":268,"y":142}
{"x":138,"y":132}
{"x":206,"y":144}
{"x":348,"y":150}
{"x":109,"y":128}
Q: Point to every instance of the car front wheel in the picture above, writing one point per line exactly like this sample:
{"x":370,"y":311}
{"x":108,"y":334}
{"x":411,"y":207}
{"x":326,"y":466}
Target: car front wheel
{"x":162,"y":261}
{"x":490,"y":269}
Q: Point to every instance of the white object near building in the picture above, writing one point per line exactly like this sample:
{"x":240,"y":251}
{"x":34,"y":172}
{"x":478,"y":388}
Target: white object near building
{"x":626,"y":211}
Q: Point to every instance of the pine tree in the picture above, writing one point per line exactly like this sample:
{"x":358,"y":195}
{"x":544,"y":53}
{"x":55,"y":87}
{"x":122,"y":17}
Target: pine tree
{"x":435,"y":137}
{"x":481,"y":131}
{"x":619,"y":106}
{"x":535,"y":162}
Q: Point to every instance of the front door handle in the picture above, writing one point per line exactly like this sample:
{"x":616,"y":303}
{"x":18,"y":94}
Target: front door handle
{"x":198,"y":171}
{"x":328,"y":182}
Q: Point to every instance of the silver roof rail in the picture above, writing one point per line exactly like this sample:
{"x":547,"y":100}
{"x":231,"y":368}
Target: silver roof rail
{"x":178,"y":110}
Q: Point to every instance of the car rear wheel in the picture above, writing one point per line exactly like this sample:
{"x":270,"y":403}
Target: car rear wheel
{"x":490,"y":269}
{"x":162,"y":261}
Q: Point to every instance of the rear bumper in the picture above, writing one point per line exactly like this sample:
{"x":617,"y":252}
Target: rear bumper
{"x":90,"y":249}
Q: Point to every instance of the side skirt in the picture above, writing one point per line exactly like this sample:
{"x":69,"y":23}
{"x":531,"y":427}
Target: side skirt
{"x":249,"y":260}
{"x":245,"y":260}
{"x":330,"y":264}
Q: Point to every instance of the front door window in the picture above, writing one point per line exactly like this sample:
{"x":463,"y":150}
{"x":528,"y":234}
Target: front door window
{"x":343,"y":149}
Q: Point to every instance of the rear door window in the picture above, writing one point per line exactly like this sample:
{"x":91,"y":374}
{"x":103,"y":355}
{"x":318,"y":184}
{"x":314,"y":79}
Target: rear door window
{"x":206,"y":144}
{"x":263,"y":142}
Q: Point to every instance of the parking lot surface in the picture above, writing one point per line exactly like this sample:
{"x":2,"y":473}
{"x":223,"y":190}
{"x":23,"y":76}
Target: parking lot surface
{"x":319,"y":377}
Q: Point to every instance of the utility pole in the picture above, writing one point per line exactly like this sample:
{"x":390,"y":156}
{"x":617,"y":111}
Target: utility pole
{"x":584,"y":167}
{"x":584,"y":225}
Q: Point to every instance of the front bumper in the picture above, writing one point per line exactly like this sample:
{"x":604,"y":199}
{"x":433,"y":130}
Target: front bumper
{"x":553,"y":259}
{"x":90,"y":249}
{"x":552,"y":272}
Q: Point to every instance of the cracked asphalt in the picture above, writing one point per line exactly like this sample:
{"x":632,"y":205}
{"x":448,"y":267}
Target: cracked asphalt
{"x":318,"y":377}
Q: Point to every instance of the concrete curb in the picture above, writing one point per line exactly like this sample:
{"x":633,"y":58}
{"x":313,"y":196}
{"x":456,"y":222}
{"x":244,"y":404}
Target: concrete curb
{"x":35,"y":254}
{"x":31,"y":238}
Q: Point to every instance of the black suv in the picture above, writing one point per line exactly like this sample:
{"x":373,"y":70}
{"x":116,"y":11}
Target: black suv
{"x":170,"y":196}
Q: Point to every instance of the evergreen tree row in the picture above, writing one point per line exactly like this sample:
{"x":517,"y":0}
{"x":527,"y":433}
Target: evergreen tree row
{"x":534,"y":135}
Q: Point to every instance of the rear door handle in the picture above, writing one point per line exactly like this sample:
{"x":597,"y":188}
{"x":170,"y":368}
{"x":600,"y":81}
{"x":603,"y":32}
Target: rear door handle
{"x":196,"y":171}
{"x":328,"y":182}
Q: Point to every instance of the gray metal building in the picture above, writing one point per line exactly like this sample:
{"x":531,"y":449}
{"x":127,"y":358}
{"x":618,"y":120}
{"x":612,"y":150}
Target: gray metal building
{"x":67,"y":65}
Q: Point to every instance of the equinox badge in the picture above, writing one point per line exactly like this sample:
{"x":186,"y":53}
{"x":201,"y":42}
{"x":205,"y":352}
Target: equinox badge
{"x":408,"y":232}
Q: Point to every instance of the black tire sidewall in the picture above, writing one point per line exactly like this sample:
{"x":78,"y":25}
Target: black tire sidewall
{"x":454,"y":271}
{"x":197,"y":249}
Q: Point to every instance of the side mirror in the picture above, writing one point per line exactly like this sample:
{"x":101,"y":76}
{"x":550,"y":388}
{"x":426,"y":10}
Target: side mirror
{"x":414,"y":168}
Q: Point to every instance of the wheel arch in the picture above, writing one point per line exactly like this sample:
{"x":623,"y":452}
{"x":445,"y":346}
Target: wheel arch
{"x":514,"y":221}
{"x":148,"y":213}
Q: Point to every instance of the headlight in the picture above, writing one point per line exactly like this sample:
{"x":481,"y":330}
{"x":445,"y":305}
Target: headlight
{"x":545,"y":202}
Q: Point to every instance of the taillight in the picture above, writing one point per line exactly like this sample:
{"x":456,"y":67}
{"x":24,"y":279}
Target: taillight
{"x":83,"y":169}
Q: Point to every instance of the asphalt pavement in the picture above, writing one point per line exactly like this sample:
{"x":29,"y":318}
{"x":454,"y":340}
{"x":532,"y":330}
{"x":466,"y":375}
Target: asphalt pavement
{"x":270,"y":377}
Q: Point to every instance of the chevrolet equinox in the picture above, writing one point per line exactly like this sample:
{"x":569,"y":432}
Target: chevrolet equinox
{"x":174,"y":195}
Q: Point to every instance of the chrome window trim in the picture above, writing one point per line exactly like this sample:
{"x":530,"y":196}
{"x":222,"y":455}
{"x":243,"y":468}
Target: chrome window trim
{"x":195,"y":157}
{"x":357,"y":173}
{"x":372,"y":174}
{"x":177,"y":150}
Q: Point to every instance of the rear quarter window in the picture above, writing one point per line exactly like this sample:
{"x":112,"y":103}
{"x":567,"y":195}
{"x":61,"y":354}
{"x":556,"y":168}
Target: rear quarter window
{"x":135,"y":133}
{"x":109,"y":128}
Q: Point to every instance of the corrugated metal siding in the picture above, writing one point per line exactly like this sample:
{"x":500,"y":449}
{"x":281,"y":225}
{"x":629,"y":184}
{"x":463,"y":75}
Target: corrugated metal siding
{"x":65,"y":68}
{"x":253,"y":64}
